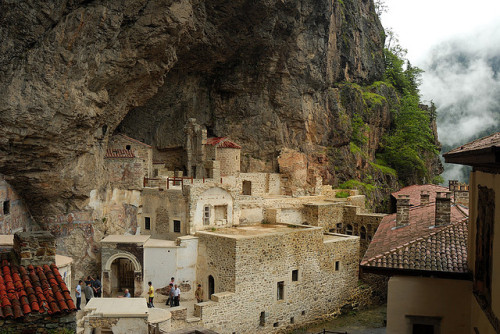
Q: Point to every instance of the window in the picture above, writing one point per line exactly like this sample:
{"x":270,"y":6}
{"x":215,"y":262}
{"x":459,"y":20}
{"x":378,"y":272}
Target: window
{"x":281,"y":290}
{"x":262,"y":318}
{"x":362,"y":234}
{"x":423,"y":324}
{"x":6,"y":207}
{"x":337,"y":265}
{"x":295,"y":275}
{"x":220,"y":212}
{"x":147,"y":223}
{"x":276,"y":324}
{"x":292,"y":320}
{"x":206,"y":215}
{"x":348,"y":229}
{"x":247,"y":188}
{"x":177,"y":226}
{"x":339,"y":226}
{"x":128,"y":147}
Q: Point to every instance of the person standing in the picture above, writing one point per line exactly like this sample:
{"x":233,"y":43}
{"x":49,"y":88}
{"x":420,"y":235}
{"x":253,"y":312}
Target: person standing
{"x":199,"y":294}
{"x":97,"y":286}
{"x":177,"y":295}
{"x":78,"y":294}
{"x":171,"y":294}
{"x":151,"y":294}
{"x":89,"y":293}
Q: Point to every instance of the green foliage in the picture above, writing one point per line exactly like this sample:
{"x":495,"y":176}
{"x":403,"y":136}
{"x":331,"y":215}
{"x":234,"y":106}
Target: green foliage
{"x":404,"y":147}
{"x":438,"y":179}
{"x":355,"y":184}
{"x":381,"y":165}
{"x":359,"y":128}
{"x":342,"y":194}
{"x":373,"y":98}
{"x":405,"y":80}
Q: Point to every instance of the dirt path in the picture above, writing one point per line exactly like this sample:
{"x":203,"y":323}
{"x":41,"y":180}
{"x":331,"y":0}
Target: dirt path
{"x":370,"y":321}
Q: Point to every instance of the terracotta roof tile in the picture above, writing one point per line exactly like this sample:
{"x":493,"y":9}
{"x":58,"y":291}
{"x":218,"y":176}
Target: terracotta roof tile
{"x":420,"y":245}
{"x":32,"y":289}
{"x":222,"y":142}
{"x":119,"y":153}
{"x":478,"y":144}
{"x":415,"y":190}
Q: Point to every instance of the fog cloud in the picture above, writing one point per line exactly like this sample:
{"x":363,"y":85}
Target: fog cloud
{"x":462,"y":78}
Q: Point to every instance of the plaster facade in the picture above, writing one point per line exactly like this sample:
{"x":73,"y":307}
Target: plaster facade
{"x":14,"y":215}
{"x":419,"y":299}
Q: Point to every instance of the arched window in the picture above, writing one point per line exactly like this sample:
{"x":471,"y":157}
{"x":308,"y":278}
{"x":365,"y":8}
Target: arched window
{"x":362,"y":233}
{"x":348,"y":229}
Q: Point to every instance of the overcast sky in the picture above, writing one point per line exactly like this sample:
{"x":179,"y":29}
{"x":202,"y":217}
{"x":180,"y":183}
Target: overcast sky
{"x":424,"y":23}
{"x":457,"y":44}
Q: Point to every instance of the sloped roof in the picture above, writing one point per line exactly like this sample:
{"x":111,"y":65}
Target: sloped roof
{"x":414,"y":192}
{"x":32,"y":290}
{"x":443,"y":250}
{"x":134,"y":140}
{"x":222,"y":142}
{"x":478,"y":144}
{"x":414,"y":245}
{"x":119,"y":153}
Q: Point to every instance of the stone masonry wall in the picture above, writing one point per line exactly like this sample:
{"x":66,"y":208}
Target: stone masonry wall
{"x":35,"y":248}
{"x":216,"y":257}
{"x":18,"y":216}
{"x":141,"y":150}
{"x":40,"y":324}
{"x":263,"y":261}
{"x":229,"y":161}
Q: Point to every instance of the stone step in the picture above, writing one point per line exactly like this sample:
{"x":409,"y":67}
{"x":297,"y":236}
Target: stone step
{"x":192,"y":319}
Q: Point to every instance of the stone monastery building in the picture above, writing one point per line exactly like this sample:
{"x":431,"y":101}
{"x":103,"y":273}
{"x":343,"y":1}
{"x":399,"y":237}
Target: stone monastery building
{"x":267,"y":255}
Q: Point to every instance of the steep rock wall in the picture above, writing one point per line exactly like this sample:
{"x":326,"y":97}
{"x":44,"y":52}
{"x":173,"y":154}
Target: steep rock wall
{"x":72,"y":70}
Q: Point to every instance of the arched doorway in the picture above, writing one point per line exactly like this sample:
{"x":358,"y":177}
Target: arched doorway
{"x":122,"y":271}
{"x":122,"y":276}
{"x":211,"y":286}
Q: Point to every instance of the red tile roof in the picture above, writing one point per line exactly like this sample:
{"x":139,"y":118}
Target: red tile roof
{"x":402,"y":247}
{"x":119,"y":153}
{"x":222,"y":142}
{"x":478,"y":144}
{"x":32,"y":290}
{"x":134,"y":140}
{"x":415,"y":190}
{"x":443,"y":250}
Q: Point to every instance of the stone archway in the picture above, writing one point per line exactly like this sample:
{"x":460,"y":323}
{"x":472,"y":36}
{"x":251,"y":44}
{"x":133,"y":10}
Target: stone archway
{"x":109,"y":274}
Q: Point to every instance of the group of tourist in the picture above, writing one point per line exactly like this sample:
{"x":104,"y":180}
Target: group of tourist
{"x":91,"y":289}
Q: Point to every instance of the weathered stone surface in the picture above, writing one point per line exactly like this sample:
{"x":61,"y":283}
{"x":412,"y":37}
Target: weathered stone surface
{"x":71,"y":70}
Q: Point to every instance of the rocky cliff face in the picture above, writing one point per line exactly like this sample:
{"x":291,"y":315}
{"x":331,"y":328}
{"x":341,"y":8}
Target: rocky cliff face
{"x":258,"y":71}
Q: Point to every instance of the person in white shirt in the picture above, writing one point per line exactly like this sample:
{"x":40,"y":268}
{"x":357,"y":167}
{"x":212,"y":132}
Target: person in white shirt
{"x":78,"y":294}
{"x":177,"y":295}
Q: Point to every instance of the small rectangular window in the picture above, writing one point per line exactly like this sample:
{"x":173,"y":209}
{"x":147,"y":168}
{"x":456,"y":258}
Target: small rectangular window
{"x":262,"y":318}
{"x":281,"y":290}
{"x":295,"y":275}
{"x":177,"y":226}
{"x":6,"y":207}
{"x":147,"y":223}
{"x":337,"y":265}
{"x":206,"y":215}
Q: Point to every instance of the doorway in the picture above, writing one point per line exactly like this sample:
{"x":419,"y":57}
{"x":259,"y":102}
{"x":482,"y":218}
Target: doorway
{"x":211,"y":286}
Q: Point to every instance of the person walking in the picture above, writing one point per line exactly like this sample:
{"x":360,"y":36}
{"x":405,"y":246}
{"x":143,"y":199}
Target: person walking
{"x":199,"y":294}
{"x":177,"y":295}
{"x":151,"y":294}
{"x":89,"y":293}
{"x":78,"y":294}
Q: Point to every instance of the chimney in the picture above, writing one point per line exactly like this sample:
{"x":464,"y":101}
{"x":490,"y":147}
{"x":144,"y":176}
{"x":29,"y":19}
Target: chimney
{"x":36,"y":248}
{"x":403,"y":210}
{"x":424,"y":197}
{"x":443,"y":208}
